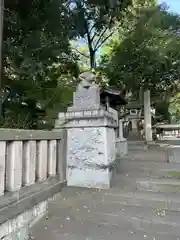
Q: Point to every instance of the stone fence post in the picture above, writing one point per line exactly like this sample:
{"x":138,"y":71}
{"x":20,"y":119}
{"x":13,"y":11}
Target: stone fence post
{"x":122,"y":147}
{"x":147,"y":117}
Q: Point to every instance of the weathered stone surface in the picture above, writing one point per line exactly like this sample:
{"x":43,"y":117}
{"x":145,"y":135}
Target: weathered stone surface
{"x":52,"y":158}
{"x":86,"y":99}
{"x":14,"y":203}
{"x":86,"y":118}
{"x":86,"y":147}
{"x":91,"y":144}
{"x":29,"y":163}
{"x":122,"y":147}
{"x":89,"y":177}
{"x":20,"y":134}
{"x":158,"y":185}
{"x":41,"y":162}
{"x":14,"y":166}
{"x":173,"y":154}
{"x":116,"y":213}
{"x":62,"y":157}
{"x":82,"y":214}
{"x":110,"y":145}
{"x":91,"y":153}
{"x":18,"y":228}
{"x":22,"y":200}
{"x":87,"y":95}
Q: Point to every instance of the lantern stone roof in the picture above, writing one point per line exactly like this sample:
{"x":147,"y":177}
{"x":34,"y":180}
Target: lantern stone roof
{"x":115,"y":97}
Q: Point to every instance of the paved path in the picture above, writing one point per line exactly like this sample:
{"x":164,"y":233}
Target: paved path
{"x":123,"y":212}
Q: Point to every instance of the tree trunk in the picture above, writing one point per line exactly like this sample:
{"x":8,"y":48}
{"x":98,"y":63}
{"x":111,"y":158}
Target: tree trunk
{"x":141,"y":95}
{"x":92,"y":59}
{"x":92,"y":53}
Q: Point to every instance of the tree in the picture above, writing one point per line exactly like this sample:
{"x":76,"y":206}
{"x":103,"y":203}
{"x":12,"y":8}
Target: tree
{"x":148,"y":53}
{"x":174,"y":108}
{"x":82,"y":52}
{"x":94,"y":22}
{"x":37,"y":58}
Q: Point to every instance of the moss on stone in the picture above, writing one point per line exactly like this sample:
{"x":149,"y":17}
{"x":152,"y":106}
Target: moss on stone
{"x":173,"y":175}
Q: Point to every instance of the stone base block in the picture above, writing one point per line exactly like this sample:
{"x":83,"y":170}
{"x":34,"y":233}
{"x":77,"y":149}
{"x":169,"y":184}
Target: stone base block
{"x":91,"y":152}
{"x":89,"y":178}
{"x":122,"y":147}
{"x":173,"y":154}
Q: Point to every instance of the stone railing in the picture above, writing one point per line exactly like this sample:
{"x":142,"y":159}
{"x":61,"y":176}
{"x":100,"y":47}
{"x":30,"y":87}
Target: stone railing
{"x":167,"y":131}
{"x":32,"y":170}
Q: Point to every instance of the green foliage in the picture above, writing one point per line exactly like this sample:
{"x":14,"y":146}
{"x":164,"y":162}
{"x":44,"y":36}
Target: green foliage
{"x":82,"y":52}
{"x":39,"y":66}
{"x":162,"y":109}
{"x":174,"y":108}
{"x":147,"y":53}
{"x":94,"y":22}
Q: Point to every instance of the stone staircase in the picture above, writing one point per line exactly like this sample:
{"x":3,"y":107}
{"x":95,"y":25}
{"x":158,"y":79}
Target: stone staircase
{"x":143,"y":203}
{"x":135,"y":136}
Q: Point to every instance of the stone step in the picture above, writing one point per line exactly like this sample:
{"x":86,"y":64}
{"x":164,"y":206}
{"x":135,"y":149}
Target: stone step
{"x":140,"y":198}
{"x":135,"y":220}
{"x":147,"y":155}
{"x":79,"y":213}
{"x":71,"y":229}
{"x":125,"y":182}
{"x":160,"y":212}
{"x":135,"y":137}
{"x":125,"y":235}
{"x":141,"y":142}
{"x":132,"y":147}
{"x":148,"y":169}
{"x":107,"y":207}
{"x":141,"y":145}
{"x":148,"y":173}
{"x":158,"y":185}
{"x":133,"y":182}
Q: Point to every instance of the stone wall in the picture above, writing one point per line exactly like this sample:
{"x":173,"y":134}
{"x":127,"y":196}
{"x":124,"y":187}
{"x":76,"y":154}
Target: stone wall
{"x":18,"y":227}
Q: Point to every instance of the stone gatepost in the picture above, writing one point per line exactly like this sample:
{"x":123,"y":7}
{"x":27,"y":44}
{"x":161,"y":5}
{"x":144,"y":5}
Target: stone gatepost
{"x":134,"y":119}
{"x":122,"y":147}
{"x":147,"y":117}
{"x":91,"y":140}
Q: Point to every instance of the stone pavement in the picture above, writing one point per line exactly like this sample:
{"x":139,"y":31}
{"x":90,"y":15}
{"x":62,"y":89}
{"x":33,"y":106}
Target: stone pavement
{"x":127,"y":211}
